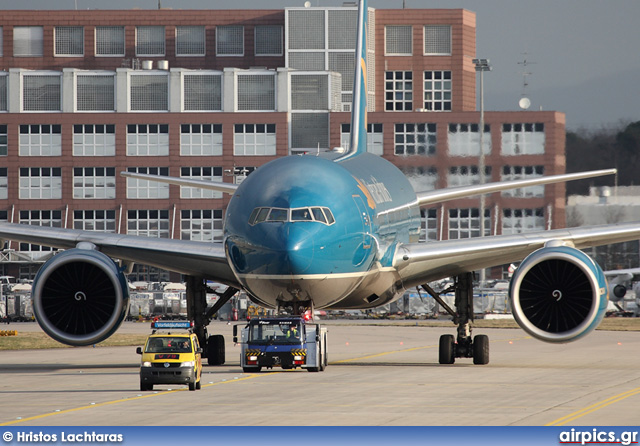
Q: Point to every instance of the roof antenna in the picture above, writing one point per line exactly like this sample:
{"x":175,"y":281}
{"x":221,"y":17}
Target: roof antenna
{"x":524,"y":102}
{"x":159,"y":4}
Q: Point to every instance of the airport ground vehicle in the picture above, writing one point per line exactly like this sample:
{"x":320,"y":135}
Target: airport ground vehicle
{"x":171,"y":357}
{"x":288,"y":342}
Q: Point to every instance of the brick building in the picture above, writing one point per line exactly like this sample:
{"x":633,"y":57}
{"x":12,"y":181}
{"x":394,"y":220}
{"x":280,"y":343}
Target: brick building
{"x":215,"y":94}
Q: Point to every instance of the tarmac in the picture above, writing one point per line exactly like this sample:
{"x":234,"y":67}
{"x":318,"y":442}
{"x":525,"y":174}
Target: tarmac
{"x":378,"y":375}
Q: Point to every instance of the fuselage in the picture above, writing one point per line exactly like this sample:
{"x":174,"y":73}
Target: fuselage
{"x":307,"y":228}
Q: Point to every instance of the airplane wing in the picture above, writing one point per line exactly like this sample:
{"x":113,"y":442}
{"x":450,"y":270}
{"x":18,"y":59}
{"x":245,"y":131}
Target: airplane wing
{"x":227,"y":188}
{"x":442,"y":195}
{"x":187,"y":257}
{"x":419,"y":263}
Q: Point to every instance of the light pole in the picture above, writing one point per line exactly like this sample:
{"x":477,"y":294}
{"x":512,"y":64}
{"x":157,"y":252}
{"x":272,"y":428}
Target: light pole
{"x":481,"y":66}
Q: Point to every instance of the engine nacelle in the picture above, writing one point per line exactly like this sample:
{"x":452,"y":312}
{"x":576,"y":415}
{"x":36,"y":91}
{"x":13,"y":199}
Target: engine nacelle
{"x":617,"y":292}
{"x":558,"y":294}
{"x":80,"y":297}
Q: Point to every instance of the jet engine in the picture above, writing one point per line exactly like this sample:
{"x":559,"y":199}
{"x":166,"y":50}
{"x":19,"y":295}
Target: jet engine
{"x":558,"y":294}
{"x":617,"y":292}
{"x":80,"y":296}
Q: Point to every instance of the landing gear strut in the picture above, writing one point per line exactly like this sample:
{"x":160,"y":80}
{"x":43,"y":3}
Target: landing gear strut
{"x":465,"y":346}
{"x":198,"y":312}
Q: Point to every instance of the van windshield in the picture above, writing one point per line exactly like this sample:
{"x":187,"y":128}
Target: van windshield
{"x":168,"y":344}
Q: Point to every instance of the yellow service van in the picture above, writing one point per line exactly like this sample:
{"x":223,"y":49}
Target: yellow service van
{"x":170,"y":357}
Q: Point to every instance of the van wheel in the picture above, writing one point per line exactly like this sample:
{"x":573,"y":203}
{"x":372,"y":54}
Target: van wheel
{"x":192,"y":386}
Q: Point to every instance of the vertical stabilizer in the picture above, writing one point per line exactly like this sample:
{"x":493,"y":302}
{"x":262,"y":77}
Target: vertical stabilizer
{"x":358,"y":143}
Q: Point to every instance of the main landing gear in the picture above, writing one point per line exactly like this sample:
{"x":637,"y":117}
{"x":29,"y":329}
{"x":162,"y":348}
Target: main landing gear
{"x":464,"y":347}
{"x":198,"y":312}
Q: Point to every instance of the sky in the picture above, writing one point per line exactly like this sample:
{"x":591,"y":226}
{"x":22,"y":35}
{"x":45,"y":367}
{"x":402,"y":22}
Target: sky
{"x":582,"y":55}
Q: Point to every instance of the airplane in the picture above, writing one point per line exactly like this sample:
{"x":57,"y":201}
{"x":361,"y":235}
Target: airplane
{"x":335,"y":230}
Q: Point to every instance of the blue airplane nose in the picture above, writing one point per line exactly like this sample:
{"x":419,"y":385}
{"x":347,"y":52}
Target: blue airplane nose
{"x":298,"y":249}
{"x":285,"y":249}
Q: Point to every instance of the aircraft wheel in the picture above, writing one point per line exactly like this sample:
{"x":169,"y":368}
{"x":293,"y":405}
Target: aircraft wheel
{"x":446,"y":350}
{"x":215,"y":350}
{"x":481,"y":349}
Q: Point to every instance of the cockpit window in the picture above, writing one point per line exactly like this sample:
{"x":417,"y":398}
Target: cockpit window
{"x":301,"y":214}
{"x":329,"y":215}
{"x":278,"y":214}
{"x":318,"y":214}
{"x":262,"y":215}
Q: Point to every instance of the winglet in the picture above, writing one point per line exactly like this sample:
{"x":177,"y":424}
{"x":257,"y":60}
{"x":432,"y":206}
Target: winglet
{"x":358,"y":142}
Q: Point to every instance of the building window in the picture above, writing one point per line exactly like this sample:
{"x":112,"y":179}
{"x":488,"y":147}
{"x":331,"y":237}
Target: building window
{"x":47,"y":218}
{"x":69,"y":41}
{"x":268,"y":40}
{"x":202,"y":92}
{"x":428,"y":225}
{"x":4,"y":184}
{"x":149,"y":92}
{"x":437,"y":40}
{"x":415,"y":139}
{"x":306,"y":29}
{"x":3,"y":91}
{"x":150,"y":41}
{"x":254,"y":139}
{"x":95,"y":92}
{"x":310,"y":92}
{"x":28,"y":41}
{"x":510,"y":173}
{"x":398,"y":40}
{"x":95,"y":220}
{"x":147,"y":189}
{"x":40,"y":183}
{"x":40,"y":140}
{"x":375,"y":138}
{"x":94,"y":182}
{"x":464,"y":140}
{"x":201,"y":139}
{"x":466,"y":175}
{"x":309,"y":131}
{"x":201,"y":225}
{"x":110,"y":41}
{"x":437,"y":90}
{"x":230,"y":40}
{"x":3,"y":141}
{"x":94,"y":140}
{"x":256,"y":92}
{"x":148,"y":140}
{"x":398,"y":89}
{"x":41,"y":92}
{"x":341,"y":33}
{"x":422,"y":178}
{"x":516,"y":221}
{"x":148,"y":223}
{"x":190,"y":41}
{"x":213,"y":174}
{"x":523,"y":139}
{"x":465,"y":223}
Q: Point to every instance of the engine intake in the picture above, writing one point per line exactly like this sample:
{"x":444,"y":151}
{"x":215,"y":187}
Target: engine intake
{"x":558,"y":294}
{"x":80,"y":297}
